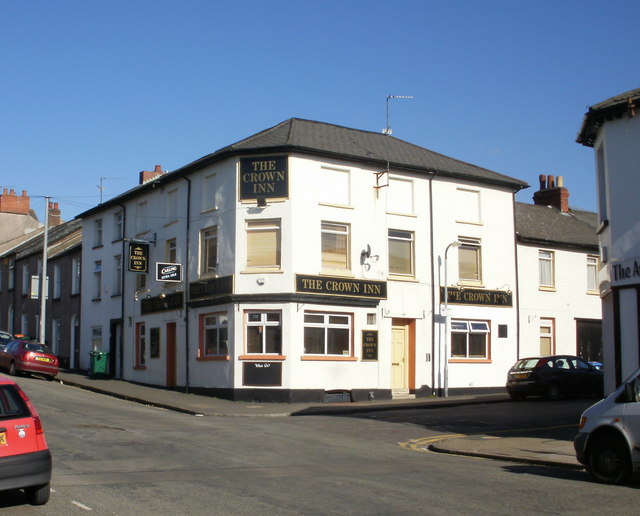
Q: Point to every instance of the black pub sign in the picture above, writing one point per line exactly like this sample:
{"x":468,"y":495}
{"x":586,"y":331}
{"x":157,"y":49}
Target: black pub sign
{"x":346,"y":287}
{"x":266,"y":176}
{"x":138,"y":257}
{"x":170,"y":272}
{"x":477,"y":296}
{"x":369,"y":344}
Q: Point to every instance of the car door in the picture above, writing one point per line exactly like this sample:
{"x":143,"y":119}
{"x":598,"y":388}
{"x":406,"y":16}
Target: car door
{"x":588,"y":379}
{"x":564,"y":375}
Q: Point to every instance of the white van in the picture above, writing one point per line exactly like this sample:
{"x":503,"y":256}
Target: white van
{"x":608,"y":442}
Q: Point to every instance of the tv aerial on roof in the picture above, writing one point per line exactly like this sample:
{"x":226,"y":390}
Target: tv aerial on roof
{"x":387,"y":129}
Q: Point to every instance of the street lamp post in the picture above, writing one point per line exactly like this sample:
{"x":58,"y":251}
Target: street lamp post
{"x":447,"y":323}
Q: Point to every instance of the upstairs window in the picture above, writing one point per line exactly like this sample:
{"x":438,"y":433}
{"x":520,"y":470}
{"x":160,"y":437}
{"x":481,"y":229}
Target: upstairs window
{"x":470,"y":260}
{"x":400,"y":196}
{"x":401,"y":253}
{"x":592,"y":273}
{"x":546,"y":273}
{"x":263,"y":244}
{"x":118,"y":226}
{"x":208,"y":251}
{"x":335,"y":246}
{"x":97,"y":233}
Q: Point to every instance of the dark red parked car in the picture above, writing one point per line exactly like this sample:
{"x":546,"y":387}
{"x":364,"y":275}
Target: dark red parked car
{"x":25,"y":459}
{"x":26,"y":356}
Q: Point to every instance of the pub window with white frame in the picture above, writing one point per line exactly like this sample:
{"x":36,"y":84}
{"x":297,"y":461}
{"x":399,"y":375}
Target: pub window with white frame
{"x":263,"y":244}
{"x":592,"y":273}
{"x":400,"y":196}
{"x":208,"y":251}
{"x":75,"y":276}
{"x":97,"y":233}
{"x":214,"y":335}
{"x":335,"y":187}
{"x":327,"y":334}
{"x":209,"y":192}
{"x":468,"y":206}
{"x":171,"y":207}
{"x":470,"y":260}
{"x":171,"y":251}
{"x":336,"y":243}
{"x":264,"y":332}
{"x":470,"y":339}
{"x":118,"y":227}
{"x":546,"y":266}
{"x":401,"y":253}
{"x":117,"y":275}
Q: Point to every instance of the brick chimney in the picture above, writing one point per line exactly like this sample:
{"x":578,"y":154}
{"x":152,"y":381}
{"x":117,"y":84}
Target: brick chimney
{"x":146,"y":176}
{"x":552,"y":193}
{"x":54,"y":214}
{"x":11,"y":203}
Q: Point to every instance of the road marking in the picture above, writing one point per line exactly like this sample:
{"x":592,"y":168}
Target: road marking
{"x":81,"y":505}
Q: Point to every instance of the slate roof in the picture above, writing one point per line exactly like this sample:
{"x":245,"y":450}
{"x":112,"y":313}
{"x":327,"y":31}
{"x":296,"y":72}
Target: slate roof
{"x":60,"y":239}
{"x":544,"y":225}
{"x":614,"y":107}
{"x":322,"y":139}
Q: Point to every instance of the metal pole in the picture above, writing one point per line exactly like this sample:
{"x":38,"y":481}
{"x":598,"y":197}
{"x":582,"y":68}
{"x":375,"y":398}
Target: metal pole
{"x":43,"y":273}
{"x":447,"y":331}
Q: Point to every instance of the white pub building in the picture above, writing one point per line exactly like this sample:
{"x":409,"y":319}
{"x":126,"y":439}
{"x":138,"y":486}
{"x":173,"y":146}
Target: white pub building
{"x":307,"y":262}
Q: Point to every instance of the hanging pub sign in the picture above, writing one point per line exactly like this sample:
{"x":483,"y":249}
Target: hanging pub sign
{"x":170,"y":272}
{"x":477,"y":296}
{"x":264,"y":177}
{"x":138,"y":257}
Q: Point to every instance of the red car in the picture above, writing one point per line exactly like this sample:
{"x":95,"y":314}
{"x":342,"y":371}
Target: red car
{"x":29,"y":357}
{"x":25,"y":459}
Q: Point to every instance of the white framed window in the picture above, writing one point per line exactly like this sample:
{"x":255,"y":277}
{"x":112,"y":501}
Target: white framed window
{"x":547,"y":337}
{"x":546,"y":268}
{"x":592,"y":273}
{"x":97,"y":279}
{"x":171,"y":251}
{"x":209,"y":187}
{"x":468,"y":206}
{"x":171,"y":206}
{"x":118,"y":226}
{"x":75,"y":276}
{"x":264,"y":332}
{"x":141,"y":217}
{"x":327,"y":334}
{"x":335,"y":245}
{"x":263,"y":244}
{"x":117,"y":275}
{"x":335,"y":187}
{"x":96,"y":338}
{"x":400,"y":196}
{"x":401,"y":253}
{"x":470,"y":260}
{"x":214,"y":335}
{"x":97,"y":233}
{"x":470,"y":339}
{"x":208,"y":251}
{"x":57,"y":281}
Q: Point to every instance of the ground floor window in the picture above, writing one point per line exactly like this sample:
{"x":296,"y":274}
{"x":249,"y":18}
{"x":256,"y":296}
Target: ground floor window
{"x":470,"y":339}
{"x":327,"y":334}
{"x":264,"y":332}
{"x":214,"y":335}
{"x":141,"y":345}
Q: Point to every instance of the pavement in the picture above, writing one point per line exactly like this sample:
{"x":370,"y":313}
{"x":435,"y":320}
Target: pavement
{"x":546,"y":448}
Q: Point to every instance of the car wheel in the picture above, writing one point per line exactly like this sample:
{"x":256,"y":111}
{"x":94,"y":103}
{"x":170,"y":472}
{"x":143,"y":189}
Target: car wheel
{"x":553,"y":391}
{"x":38,"y":495}
{"x":12,"y":369}
{"x":609,"y":461}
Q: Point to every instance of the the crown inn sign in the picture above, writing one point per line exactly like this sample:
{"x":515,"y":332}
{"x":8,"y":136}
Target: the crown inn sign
{"x":266,"y":177}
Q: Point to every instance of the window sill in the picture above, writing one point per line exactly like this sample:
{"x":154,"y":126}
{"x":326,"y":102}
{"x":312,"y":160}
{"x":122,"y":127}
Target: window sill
{"x":96,"y":299}
{"x":266,"y":270}
{"x":546,"y":289}
{"x":213,"y":358}
{"x":337,"y":273}
{"x":209,"y":210}
{"x":471,"y":283}
{"x":328,"y":358}
{"x":262,"y":357}
{"x":470,"y":361}
{"x":406,"y":279}
{"x":593,"y":292}
{"x":139,"y":368}
{"x":332,"y":205}
{"x":469,"y":222}
{"x":413,"y":215}
{"x":97,"y":246}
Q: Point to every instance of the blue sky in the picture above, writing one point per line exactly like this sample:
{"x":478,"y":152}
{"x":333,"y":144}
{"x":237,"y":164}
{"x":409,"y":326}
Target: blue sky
{"x":93,"y":90}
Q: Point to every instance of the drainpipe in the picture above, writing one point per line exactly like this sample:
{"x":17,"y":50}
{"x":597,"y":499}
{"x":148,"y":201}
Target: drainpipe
{"x":433,"y":302}
{"x":122,"y":297}
{"x":186,"y":286}
{"x":517,"y":289}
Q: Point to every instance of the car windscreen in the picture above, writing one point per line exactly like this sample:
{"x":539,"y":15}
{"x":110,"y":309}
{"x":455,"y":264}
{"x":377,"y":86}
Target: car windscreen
{"x":11,"y":403}
{"x":34,"y":346}
{"x":527,"y":364}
